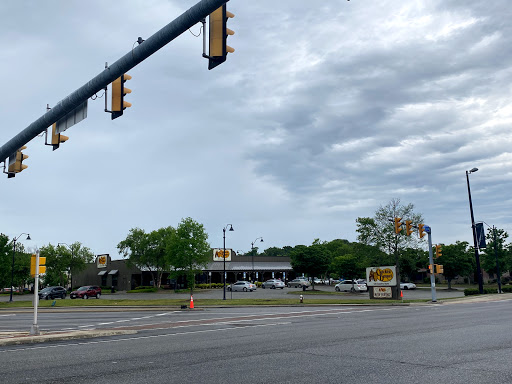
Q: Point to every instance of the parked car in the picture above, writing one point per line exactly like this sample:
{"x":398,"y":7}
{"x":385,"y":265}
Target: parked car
{"x":242,"y":286}
{"x":50,"y":293}
{"x":407,"y":286}
{"x":85,"y":292}
{"x":273,"y":284}
{"x":351,"y":286}
{"x":298,"y":283}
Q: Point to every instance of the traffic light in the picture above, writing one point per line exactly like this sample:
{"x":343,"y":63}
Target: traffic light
{"x":218,"y":36}
{"x":439,"y":251}
{"x":439,"y":268}
{"x":408,"y":227}
{"x":57,"y":138}
{"x":430,"y":268}
{"x":16,"y":162}
{"x":118,"y":93}
{"x":33,"y":267}
{"x":398,"y":225}
{"x":421,"y":230}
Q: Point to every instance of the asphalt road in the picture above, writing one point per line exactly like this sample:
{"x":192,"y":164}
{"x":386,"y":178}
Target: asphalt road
{"x":450,"y":343}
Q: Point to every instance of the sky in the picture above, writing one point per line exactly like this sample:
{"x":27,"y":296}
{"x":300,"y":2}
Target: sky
{"x":325,"y":112}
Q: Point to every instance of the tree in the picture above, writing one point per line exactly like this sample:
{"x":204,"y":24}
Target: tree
{"x":147,"y":251}
{"x":488,"y":258}
{"x":188,"y":250}
{"x":348,"y":266}
{"x":457,"y":260}
{"x":313,"y":260}
{"x":380,"y":231}
{"x":21,"y":271}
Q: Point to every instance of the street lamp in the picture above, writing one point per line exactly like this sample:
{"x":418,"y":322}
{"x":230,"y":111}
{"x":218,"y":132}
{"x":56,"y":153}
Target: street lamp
{"x":473,"y":227}
{"x":252,"y":254}
{"x":72,"y":257}
{"x":224,"y":255}
{"x":12,"y":266}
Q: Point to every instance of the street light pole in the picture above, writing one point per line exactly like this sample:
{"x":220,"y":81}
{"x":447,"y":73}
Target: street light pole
{"x":224,"y":256}
{"x":473,"y":227}
{"x":252,"y":255}
{"x":12,"y":265}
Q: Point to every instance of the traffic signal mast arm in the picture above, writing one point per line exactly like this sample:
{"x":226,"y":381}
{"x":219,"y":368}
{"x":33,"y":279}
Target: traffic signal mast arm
{"x":135,"y":56}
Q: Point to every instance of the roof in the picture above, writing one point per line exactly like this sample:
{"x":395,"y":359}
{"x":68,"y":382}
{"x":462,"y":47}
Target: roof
{"x":247,"y":266}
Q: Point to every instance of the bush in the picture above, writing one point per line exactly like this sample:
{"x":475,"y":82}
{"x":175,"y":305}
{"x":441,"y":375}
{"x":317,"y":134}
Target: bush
{"x":475,"y":291}
{"x":507,"y":289}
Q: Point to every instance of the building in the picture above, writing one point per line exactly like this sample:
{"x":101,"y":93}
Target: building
{"x":106,"y":272}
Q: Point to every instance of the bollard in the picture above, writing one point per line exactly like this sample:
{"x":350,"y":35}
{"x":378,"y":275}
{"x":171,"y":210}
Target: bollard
{"x":54,"y":302}
{"x":301,"y":298}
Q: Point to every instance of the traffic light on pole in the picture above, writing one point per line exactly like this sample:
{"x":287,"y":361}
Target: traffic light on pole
{"x":33,"y":266}
{"x":118,"y":93}
{"x":439,"y":268}
{"x":57,"y":138}
{"x":16,"y":162}
{"x":421,"y":230}
{"x":218,"y":36}
{"x":430,"y":268}
{"x":438,"y":251}
{"x":398,"y":225}
{"x":408,"y":227}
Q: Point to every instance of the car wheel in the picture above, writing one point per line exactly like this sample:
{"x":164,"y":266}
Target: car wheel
{"x":300,"y":286}
{"x":337,"y":289}
{"x":85,"y":297}
{"x":98,"y":295}
{"x":282,"y":287}
{"x":353,"y":290}
{"x":289,"y":286}
{"x":245,"y":289}
{"x":262,"y":286}
{"x":406,"y":287}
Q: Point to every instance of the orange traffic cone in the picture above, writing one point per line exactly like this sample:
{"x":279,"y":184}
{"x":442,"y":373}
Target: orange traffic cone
{"x":191,"y":302}
{"x":401,"y":295}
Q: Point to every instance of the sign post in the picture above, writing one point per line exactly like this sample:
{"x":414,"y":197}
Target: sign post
{"x":431,"y":262}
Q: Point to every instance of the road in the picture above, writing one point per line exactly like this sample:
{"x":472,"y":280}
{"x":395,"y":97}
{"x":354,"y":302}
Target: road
{"x":451,"y":343}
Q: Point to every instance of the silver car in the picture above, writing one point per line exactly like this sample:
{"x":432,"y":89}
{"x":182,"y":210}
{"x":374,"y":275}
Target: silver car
{"x":242,"y":286}
{"x":273,"y":284}
{"x":298,"y":283}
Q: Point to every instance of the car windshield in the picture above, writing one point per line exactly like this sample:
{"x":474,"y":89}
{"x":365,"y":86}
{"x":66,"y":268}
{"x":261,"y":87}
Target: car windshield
{"x":83,"y":288}
{"x":48,"y":289}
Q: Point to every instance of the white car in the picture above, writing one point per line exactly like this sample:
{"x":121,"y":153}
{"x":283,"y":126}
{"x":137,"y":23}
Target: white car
{"x":351,"y":286}
{"x":407,"y":286}
{"x":298,"y":283}
{"x":273,"y":284}
{"x":242,"y":286}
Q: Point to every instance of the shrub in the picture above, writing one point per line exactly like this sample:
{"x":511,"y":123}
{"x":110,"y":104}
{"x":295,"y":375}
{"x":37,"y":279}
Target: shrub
{"x":475,"y":291}
{"x":507,"y":289}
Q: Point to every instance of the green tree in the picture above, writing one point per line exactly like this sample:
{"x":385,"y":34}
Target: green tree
{"x":348,"y":266}
{"x":488,"y":257}
{"x":457,"y":260}
{"x":147,"y":251}
{"x":21,"y":271}
{"x":313,"y":260}
{"x":5,"y":261}
{"x":188,"y":250}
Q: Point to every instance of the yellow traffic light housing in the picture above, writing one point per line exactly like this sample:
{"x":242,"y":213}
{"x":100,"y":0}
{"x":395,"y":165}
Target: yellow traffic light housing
{"x":421,"y":230}
{"x":439,"y":251}
{"x":408,"y":227}
{"x":118,"y":93}
{"x":33,"y":266}
{"x":439,"y":268}
{"x":57,"y":138}
{"x":398,"y":225}
{"x":218,"y":36}
{"x":16,"y":162}
{"x":430,"y":268}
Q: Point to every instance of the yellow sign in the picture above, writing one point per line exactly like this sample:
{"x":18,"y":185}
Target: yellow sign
{"x":381,"y":276}
{"x":221,"y":255}
{"x":102,"y":261}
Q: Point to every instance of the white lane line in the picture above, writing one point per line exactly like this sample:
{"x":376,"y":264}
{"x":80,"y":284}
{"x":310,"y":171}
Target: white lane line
{"x":139,"y":338}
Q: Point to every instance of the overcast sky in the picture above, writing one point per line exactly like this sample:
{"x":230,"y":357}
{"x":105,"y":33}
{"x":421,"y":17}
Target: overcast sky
{"x":326,"y":111}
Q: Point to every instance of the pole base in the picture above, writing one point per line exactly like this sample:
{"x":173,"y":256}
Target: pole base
{"x":34,"y":330}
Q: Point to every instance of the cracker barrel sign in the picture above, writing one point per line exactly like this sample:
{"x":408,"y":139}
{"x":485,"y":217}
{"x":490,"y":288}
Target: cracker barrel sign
{"x":101,"y":261}
{"x":381,"y":281}
{"x":221,"y":255}
{"x":381,"y":276}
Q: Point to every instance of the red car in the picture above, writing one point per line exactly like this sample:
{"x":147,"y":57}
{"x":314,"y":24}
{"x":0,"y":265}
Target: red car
{"x":85,"y":292}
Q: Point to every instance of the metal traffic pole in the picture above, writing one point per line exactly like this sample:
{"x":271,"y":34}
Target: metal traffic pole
{"x":431,"y":261}
{"x":34,"y":330}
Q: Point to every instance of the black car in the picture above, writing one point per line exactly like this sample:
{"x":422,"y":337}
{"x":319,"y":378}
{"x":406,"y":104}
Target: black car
{"x":52,"y":293}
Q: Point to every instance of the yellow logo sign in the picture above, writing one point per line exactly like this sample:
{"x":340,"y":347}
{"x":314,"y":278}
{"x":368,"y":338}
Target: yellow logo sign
{"x":381,"y":275}
{"x":222,"y":254}
{"x":102,"y":260}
